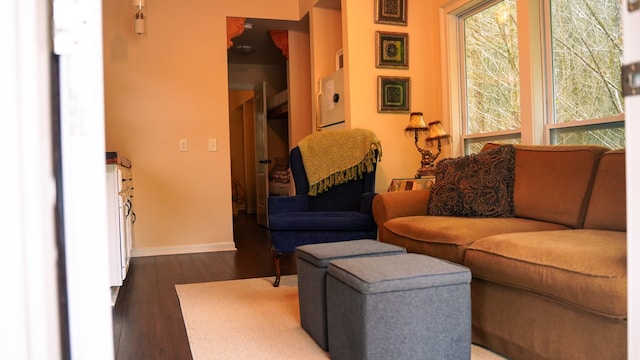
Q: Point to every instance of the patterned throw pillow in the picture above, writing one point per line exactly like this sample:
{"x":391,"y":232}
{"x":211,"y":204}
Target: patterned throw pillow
{"x":479,"y":185}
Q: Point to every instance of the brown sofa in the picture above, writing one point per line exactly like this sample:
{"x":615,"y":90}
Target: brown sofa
{"x":549,"y":280}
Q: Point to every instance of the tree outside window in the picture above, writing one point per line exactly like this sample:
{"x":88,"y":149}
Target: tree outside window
{"x":583,"y":58}
{"x":586,"y":45}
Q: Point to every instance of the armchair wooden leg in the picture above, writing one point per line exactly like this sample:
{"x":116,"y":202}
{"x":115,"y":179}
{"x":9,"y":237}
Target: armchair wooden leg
{"x":276,"y":260}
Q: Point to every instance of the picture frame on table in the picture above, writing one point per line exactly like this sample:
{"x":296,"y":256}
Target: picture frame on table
{"x":392,"y":50}
{"x":394,"y":94}
{"x":393,"y":12}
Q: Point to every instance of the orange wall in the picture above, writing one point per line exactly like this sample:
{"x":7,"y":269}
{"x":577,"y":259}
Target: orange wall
{"x":400,"y":158}
{"x":172,"y":84}
{"x":325,"y":26}
{"x":164,"y":86}
{"x":300,"y":87}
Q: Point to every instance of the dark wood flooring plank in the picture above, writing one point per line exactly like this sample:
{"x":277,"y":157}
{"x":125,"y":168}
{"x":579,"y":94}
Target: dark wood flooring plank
{"x":171,"y":331}
{"x":148,"y":321}
{"x":193,"y":269}
{"x":138,"y":337}
{"x":216,"y":266}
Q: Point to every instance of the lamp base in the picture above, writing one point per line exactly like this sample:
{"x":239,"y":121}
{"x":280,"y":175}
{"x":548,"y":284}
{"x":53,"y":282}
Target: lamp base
{"x":426,"y":171}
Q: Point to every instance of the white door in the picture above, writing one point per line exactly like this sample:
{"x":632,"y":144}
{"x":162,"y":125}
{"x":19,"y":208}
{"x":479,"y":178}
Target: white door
{"x":78,"y":42}
{"x":262,"y":153}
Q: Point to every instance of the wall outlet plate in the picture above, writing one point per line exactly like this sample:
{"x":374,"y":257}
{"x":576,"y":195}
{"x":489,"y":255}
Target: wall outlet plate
{"x":184,"y":145}
{"x":213,"y":145}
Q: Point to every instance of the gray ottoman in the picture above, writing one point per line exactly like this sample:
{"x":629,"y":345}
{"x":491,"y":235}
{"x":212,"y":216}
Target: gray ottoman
{"x":312,"y":261}
{"x":398,"y":307}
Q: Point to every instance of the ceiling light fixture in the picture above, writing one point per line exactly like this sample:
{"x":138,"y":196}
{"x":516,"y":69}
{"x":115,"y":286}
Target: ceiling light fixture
{"x":243,"y":49}
{"x":138,"y":22}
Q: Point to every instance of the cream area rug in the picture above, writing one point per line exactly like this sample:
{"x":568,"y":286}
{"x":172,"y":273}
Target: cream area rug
{"x":250,"y":319}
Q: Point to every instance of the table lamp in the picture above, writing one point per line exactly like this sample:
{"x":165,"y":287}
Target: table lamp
{"x":434,"y":133}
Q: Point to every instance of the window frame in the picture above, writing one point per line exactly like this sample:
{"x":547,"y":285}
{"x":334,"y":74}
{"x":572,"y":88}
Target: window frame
{"x":464,"y":134}
{"x":536,"y":78}
{"x":550,"y":125}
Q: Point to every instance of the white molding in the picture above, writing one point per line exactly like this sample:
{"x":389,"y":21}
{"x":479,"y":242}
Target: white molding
{"x":631,"y":54}
{"x":449,"y":75}
{"x":30,"y":322}
{"x":78,"y":42}
{"x":185,"y":249}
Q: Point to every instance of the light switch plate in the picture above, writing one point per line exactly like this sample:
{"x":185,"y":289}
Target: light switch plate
{"x":213,"y":144}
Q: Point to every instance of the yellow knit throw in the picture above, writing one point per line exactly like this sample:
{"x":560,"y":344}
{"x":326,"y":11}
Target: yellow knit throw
{"x":335,"y":157}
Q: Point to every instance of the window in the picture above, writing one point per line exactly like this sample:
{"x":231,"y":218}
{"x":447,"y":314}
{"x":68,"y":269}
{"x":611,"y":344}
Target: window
{"x":491,"y":75}
{"x":576,"y":46}
{"x":586,"y":52}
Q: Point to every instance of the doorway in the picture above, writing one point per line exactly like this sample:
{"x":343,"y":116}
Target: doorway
{"x":259,"y":154}
{"x":241,"y":132}
{"x":247,"y":69}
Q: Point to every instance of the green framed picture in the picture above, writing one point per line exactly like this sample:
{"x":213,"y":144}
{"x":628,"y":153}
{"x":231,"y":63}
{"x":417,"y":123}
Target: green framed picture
{"x":393,"y":94}
{"x":392,"y":12}
{"x":392,"y":50}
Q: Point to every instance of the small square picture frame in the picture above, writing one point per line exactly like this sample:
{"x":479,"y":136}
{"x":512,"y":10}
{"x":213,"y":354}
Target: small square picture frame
{"x":392,"y":50}
{"x":393,"y":12}
{"x":394,"y":94}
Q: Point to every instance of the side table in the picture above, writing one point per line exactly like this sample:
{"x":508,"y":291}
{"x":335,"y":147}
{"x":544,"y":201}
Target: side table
{"x":405,"y":184}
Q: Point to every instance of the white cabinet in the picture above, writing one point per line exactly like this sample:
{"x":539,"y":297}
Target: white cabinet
{"x":120,"y":216}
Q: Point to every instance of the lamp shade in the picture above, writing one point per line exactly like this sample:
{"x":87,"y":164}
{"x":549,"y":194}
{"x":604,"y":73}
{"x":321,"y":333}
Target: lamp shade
{"x":436,"y":131}
{"x":416,"y":122}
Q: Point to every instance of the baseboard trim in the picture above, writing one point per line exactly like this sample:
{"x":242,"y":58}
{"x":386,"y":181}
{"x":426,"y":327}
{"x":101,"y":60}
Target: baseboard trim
{"x":186,"y":249}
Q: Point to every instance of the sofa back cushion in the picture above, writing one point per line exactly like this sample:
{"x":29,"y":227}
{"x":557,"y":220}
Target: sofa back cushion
{"x":553,"y":183}
{"x":607,"y":206}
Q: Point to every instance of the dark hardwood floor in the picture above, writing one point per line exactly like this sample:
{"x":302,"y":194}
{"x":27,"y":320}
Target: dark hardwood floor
{"x":147,"y":321}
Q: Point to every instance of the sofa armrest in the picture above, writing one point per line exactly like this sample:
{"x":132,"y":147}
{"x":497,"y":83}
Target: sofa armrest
{"x":387,"y":206}
{"x":285,"y":204}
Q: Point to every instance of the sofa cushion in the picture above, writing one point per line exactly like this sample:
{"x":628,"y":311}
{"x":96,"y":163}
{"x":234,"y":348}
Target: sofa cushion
{"x":553,"y":183}
{"x":475,"y":185}
{"x":608,"y":206}
{"x":447,"y":237}
{"x":571,"y":266}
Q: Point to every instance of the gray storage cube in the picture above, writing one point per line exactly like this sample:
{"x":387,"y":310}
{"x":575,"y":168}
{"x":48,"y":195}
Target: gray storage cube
{"x":407,"y":306}
{"x":312,"y":261}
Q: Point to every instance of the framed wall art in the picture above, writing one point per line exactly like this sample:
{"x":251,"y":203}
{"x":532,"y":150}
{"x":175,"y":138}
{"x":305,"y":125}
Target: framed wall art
{"x":391,"y":12}
{"x":392,"y":50}
{"x":393,"y":94}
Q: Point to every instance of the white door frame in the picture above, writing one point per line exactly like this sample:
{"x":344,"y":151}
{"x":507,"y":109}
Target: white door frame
{"x":78,"y":42}
{"x":30,"y":326}
{"x":631,"y":28}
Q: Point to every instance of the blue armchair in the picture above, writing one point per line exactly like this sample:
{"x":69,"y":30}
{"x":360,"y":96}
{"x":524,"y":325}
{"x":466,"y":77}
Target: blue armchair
{"x":341,"y":213}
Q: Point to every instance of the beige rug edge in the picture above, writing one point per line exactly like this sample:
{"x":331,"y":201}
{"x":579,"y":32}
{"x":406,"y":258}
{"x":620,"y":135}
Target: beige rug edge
{"x":250,"y":319}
